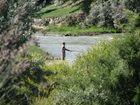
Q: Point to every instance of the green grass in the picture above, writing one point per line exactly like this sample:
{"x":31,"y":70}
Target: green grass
{"x":35,"y":53}
{"x":57,"y":11}
{"x":35,"y":49}
{"x":78,"y":30}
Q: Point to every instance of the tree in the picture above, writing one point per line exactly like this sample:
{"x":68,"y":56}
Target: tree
{"x":15,"y":31}
{"x":107,"y":13}
{"x":86,"y":6}
{"x":40,"y":2}
{"x":133,"y":5}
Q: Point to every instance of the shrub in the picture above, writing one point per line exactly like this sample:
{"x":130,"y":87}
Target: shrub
{"x":58,"y":71}
{"x":133,"y":5}
{"x":16,"y":86}
{"x":25,"y":84}
{"x":106,"y":13}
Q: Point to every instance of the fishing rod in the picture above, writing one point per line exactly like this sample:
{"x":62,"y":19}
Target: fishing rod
{"x":75,"y":51}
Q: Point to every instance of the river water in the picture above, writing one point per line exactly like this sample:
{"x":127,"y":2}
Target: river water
{"x":78,"y":44}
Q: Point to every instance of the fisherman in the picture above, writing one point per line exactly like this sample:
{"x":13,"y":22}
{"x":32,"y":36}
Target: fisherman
{"x":64,"y":49}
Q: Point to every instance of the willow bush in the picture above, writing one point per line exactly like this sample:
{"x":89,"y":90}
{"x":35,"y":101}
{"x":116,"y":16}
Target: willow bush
{"x":18,"y":77}
{"x":107,"y":13}
{"x":111,"y":13}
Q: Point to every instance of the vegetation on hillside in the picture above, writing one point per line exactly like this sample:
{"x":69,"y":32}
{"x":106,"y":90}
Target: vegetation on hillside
{"x":96,"y":13}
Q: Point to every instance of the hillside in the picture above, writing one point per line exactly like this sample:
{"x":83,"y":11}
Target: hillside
{"x":62,"y":16}
{"x":54,"y":10}
{"x":68,"y":18}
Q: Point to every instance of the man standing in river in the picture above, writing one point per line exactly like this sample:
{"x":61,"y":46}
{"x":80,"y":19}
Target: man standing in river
{"x":64,"y":49}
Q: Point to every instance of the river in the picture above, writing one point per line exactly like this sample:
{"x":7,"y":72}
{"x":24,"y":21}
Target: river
{"x":78,"y":44}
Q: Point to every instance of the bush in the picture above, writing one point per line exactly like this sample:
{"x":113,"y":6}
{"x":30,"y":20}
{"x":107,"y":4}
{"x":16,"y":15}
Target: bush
{"x":28,"y":83}
{"x":106,"y":13}
{"x":58,"y":71}
{"x":133,"y":5}
{"x":15,"y":31}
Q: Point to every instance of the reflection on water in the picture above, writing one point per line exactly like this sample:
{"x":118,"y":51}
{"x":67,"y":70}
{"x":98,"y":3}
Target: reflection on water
{"x":78,"y":44}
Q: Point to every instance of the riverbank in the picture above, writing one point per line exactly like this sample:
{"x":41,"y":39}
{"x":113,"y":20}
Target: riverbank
{"x":58,"y":34}
{"x":74,"y":30}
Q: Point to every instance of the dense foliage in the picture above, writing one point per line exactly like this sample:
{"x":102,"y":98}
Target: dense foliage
{"x":111,"y":13}
{"x":107,"y":13}
{"x":15,"y":72}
